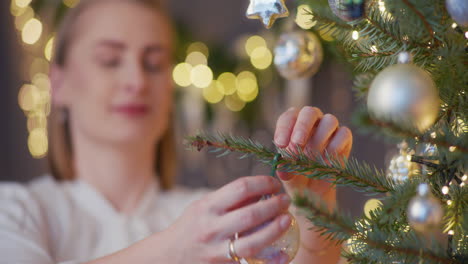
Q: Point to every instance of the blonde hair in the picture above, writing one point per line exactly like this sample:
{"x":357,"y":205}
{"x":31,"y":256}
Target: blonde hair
{"x":61,"y":148}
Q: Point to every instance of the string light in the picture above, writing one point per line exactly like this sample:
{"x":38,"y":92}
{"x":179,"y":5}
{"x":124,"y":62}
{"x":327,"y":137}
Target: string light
{"x":261,"y":58}
{"x":355,"y":35}
{"x":304,"y":17}
{"x":452,"y":148}
{"x":254,"y":42}
{"x":181,"y":74}
{"x":200,"y":47}
{"x":433,"y":135}
{"x":454,"y":25}
{"x":212,"y":94}
{"x":374,"y":49}
{"x":451,"y":232}
{"x":201,"y":76}
{"x":22,"y":3}
{"x":32,"y":31}
{"x":465,"y":177}
{"x":227,"y":83}
{"x":449,"y":202}
{"x":195,"y":58}
{"x":445,"y":190}
{"x":48,"y":48}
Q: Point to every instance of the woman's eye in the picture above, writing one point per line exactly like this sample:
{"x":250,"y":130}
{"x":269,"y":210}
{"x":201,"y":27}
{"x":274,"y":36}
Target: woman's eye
{"x":154,"y":66}
{"x":110,"y":62}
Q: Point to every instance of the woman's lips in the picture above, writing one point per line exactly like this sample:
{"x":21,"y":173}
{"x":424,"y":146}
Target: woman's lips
{"x":132,"y":110}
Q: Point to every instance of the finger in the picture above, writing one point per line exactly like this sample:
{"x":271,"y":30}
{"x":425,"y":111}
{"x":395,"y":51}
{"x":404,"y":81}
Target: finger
{"x":252,"y":244}
{"x":326,"y":128}
{"x":248,"y":217}
{"x":340,"y":142}
{"x":306,"y":120}
{"x":241,"y":190}
{"x":284,"y":127}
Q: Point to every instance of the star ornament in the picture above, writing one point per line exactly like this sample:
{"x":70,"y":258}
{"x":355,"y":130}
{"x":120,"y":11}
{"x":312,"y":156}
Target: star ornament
{"x":267,"y":11}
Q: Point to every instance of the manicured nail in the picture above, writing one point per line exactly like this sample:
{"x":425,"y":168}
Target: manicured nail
{"x":281,"y":140}
{"x":285,"y":221}
{"x":298,"y":137}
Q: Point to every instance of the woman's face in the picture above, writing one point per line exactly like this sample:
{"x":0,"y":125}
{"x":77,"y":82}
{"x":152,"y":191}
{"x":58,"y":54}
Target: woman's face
{"x":116,"y":81}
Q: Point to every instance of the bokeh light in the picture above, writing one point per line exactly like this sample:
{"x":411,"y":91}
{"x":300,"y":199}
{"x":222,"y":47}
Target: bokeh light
{"x":22,"y":3}
{"x":25,"y":15}
{"x":261,"y":58}
{"x":48,"y":48}
{"x":247,"y":87}
{"x":371,"y":205}
{"x":355,"y":35}
{"x":304,"y":17}
{"x":200,"y":47}
{"x":254,"y":42}
{"x":227,"y":83}
{"x":36,"y":120}
{"x":181,"y":74}
{"x":201,"y":76}
{"x":234,"y":103}
{"x":37,"y":142}
{"x":28,"y":97}
{"x":32,"y":31}
{"x":212,"y":94}
{"x":71,"y":3}
{"x":38,"y":65}
{"x":195,"y":58}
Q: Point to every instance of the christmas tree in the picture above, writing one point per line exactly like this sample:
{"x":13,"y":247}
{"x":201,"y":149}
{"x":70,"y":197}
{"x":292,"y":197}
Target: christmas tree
{"x":409,"y":60}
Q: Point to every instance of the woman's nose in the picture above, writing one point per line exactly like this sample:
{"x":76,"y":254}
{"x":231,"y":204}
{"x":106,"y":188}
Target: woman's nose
{"x":136,"y":79}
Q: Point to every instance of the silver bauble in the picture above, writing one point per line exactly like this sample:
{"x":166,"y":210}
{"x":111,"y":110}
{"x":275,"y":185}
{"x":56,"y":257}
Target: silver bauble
{"x":347,"y":10}
{"x":424,"y":211}
{"x":405,"y":95}
{"x":298,"y":54}
{"x":458,"y":10}
{"x":401,"y":168}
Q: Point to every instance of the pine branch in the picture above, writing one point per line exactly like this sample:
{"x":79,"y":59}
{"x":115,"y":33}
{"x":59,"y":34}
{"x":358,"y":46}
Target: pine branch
{"x":446,"y":139}
{"x":335,"y":226}
{"x":360,"y":176}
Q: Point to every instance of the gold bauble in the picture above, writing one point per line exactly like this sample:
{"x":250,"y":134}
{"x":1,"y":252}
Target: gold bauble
{"x":404,"y":95}
{"x":298,"y":54}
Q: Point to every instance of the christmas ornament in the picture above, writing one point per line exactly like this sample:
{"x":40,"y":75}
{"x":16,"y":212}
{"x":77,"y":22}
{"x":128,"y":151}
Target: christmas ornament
{"x":267,"y":11}
{"x":348,"y":10}
{"x":405,"y":95}
{"x":287,"y":245}
{"x":401,"y":168}
{"x":424,"y":211}
{"x":298,"y":54}
{"x":458,"y":10}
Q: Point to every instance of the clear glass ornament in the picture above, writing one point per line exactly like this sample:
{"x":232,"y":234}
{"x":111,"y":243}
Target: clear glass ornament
{"x":424,"y":211}
{"x":401,"y":167}
{"x":286,"y":246}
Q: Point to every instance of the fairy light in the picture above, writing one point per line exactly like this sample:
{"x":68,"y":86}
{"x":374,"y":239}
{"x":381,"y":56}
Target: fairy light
{"x":452,"y":148}
{"x":355,"y":35}
{"x":462,"y":184}
{"x":433,"y":135}
{"x":374,"y":49}
{"x":445,"y":190}
{"x":449,"y":202}
{"x":253,"y":43}
{"x":201,"y":76}
{"x":465,"y":177}
{"x":454,"y":25}
{"x":466,"y":34}
{"x":32,"y":31}
{"x":451,"y":232}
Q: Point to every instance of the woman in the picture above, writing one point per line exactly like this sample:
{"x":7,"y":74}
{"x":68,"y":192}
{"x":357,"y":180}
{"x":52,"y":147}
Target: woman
{"x":111,"y":82}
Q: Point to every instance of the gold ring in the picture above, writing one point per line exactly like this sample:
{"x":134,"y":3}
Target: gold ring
{"x":232,"y":251}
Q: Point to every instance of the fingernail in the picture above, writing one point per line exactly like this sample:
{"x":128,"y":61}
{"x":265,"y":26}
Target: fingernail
{"x":285,"y":199}
{"x":298,"y":137}
{"x":285,"y":221}
{"x":281,"y":141}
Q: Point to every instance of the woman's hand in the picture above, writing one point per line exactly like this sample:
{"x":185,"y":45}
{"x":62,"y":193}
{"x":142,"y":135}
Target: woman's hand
{"x":202,"y":233}
{"x":315,"y":133}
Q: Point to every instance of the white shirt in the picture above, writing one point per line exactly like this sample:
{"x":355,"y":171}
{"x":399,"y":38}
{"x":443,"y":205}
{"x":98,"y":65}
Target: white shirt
{"x":48,"y":222}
